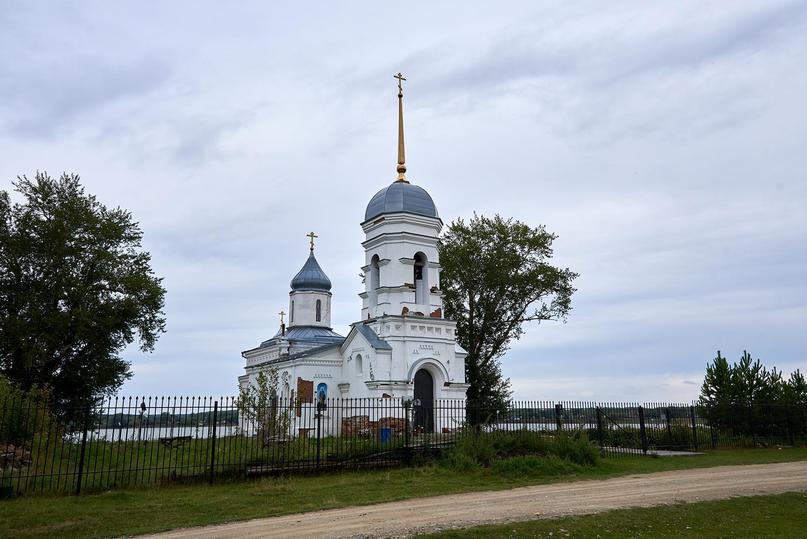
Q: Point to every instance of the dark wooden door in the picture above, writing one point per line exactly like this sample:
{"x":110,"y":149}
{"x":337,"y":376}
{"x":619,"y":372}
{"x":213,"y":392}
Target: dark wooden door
{"x":424,"y":392}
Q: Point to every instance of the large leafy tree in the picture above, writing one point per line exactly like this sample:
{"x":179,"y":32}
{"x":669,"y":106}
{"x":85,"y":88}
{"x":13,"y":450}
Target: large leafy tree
{"x":75,"y":289}
{"x":496,"y":277}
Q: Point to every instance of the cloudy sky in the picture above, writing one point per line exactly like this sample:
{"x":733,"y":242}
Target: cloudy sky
{"x":665,"y":143}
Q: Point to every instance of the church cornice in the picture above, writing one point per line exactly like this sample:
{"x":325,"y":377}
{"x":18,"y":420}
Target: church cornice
{"x":299,"y":362}
{"x":309,"y":291}
{"x":428,"y":241}
{"x":411,"y":262}
{"x":381,"y":263}
{"x":388,"y":384}
{"x":397,"y":318}
{"x":402,"y":217}
{"x":319,"y":362}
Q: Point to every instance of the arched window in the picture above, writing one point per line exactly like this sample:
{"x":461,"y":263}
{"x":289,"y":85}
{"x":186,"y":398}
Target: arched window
{"x":322,"y":392}
{"x":421,"y":279}
{"x":375,"y":279}
{"x":319,"y":310}
{"x":291,"y":315}
{"x":359,"y":365}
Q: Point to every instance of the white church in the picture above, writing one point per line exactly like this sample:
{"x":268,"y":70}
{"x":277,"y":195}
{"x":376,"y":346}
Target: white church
{"x":401,"y":347}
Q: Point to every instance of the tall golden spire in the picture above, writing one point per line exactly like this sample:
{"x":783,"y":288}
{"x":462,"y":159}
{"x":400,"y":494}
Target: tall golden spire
{"x":401,"y":157}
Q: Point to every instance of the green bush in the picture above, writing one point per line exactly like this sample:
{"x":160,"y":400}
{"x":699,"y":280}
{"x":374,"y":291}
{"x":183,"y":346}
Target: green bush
{"x":576,"y":449}
{"x":22,"y":414}
{"x":476,"y":446}
{"x":489,"y":449}
{"x":521,"y":442}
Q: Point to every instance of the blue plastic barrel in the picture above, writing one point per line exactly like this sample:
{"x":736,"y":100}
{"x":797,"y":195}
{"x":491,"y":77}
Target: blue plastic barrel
{"x":386,"y":435}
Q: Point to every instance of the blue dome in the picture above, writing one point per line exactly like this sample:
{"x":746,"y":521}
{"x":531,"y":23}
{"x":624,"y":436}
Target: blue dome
{"x":311,"y":277}
{"x":401,"y":197}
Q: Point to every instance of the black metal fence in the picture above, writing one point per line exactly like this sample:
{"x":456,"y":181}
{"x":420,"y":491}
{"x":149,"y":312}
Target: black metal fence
{"x":157,"y":440}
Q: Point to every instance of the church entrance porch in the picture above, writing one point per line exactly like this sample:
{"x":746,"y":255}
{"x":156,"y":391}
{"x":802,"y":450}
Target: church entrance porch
{"x":424,"y":394}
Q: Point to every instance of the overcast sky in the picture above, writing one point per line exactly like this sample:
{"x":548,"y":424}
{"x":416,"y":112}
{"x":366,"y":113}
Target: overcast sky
{"x":665,"y":144}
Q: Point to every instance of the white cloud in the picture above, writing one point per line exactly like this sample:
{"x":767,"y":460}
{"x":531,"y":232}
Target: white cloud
{"x":663,"y":143}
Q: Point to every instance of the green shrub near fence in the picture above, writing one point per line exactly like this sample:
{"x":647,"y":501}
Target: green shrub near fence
{"x":474,"y":448}
{"x":23,"y":414}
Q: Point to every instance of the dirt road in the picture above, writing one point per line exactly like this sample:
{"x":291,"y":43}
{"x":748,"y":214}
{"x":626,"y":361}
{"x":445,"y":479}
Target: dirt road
{"x":405,"y":518}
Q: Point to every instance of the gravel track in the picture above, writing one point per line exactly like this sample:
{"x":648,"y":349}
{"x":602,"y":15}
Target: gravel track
{"x":410,"y":517}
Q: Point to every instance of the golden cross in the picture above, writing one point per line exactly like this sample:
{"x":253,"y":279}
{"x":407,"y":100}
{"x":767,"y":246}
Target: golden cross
{"x":311,"y":237}
{"x":282,"y":314}
{"x":400,"y":78}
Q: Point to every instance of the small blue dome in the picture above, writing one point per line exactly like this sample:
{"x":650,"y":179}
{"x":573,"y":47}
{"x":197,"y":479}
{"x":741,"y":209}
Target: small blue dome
{"x":401,"y":197}
{"x":311,"y":277}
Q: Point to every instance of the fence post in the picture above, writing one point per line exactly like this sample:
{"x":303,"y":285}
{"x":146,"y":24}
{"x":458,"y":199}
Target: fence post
{"x":407,"y":405}
{"x":213,"y":442}
{"x":559,"y":417}
{"x":694,"y":427}
{"x":83,"y":450}
{"x":320,"y":408}
{"x":669,"y":428}
{"x":789,"y":423}
{"x":600,"y":433}
{"x":642,"y":430}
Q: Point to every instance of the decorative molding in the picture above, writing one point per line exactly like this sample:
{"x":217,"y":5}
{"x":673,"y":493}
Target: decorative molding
{"x":402,"y":217}
{"x":457,"y":385}
{"x":427,"y":362}
{"x":389,"y":384}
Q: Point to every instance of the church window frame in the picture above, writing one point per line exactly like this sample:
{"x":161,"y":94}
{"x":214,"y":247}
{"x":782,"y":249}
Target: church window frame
{"x":375,"y":278}
{"x":420,"y":275}
{"x":359,"y":362}
{"x":291,"y":314}
{"x":318,"y":310}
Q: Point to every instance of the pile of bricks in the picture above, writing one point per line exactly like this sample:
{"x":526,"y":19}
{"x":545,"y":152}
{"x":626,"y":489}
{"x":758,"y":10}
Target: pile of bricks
{"x":12,"y":457}
{"x":397,"y":424}
{"x":357,"y":425}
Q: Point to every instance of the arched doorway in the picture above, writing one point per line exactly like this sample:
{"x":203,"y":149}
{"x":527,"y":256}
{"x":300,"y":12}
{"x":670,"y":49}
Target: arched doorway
{"x":424,"y":392}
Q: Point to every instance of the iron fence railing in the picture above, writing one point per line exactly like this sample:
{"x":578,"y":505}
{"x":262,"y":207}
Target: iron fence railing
{"x":157,"y":440}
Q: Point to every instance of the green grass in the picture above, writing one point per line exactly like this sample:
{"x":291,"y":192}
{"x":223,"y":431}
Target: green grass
{"x":155,"y":509}
{"x":782,"y":515}
{"x":126,"y":463}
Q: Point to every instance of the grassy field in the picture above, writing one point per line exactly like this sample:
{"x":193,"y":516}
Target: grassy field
{"x":153,"y":509}
{"x":125,"y":464}
{"x":781,"y":516}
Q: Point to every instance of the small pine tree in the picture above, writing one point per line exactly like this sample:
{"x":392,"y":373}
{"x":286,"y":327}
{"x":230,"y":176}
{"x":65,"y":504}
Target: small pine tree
{"x":258,"y":406}
{"x":747,"y":398}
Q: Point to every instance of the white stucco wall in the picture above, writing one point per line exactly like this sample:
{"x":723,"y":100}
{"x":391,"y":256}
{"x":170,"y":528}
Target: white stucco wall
{"x":396,"y":239}
{"x":304,"y":309}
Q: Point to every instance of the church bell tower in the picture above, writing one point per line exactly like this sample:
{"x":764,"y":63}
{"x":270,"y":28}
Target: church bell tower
{"x":402,"y":227}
